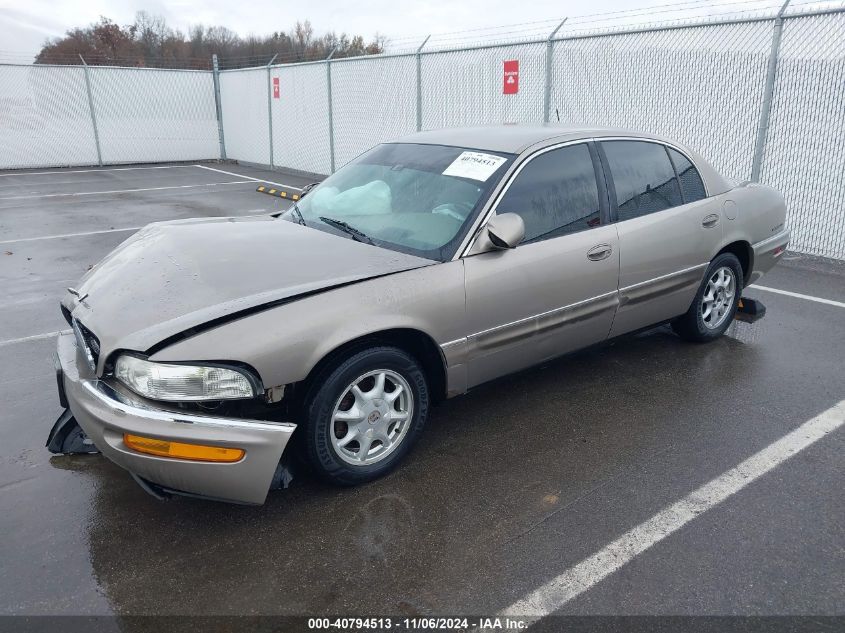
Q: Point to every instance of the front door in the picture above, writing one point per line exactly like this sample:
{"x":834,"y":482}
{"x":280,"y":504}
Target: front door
{"x":557,"y":290}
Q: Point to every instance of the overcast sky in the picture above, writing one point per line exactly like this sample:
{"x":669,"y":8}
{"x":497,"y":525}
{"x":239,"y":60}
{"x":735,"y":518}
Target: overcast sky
{"x":25,"y":25}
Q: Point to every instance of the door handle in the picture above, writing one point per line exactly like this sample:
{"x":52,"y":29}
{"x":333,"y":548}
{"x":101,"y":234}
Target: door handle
{"x":710,"y":221}
{"x":600,"y":252}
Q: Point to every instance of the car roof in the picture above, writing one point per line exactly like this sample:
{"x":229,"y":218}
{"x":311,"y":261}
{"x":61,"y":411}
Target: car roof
{"x":517,"y":138}
{"x":513,"y":139}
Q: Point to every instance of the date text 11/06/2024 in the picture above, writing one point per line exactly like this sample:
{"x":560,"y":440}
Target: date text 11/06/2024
{"x":421,"y":623}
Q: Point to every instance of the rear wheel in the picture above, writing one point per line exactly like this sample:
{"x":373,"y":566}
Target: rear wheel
{"x":715,"y":304}
{"x":364,"y":414}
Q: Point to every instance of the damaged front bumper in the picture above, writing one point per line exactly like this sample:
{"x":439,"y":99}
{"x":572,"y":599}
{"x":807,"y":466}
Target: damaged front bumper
{"x":105,"y":413}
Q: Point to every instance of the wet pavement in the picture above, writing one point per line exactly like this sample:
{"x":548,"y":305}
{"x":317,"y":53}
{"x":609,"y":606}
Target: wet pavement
{"x":509,"y":486}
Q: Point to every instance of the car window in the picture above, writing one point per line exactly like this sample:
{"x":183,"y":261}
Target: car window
{"x":555,"y":193}
{"x":643,"y":177}
{"x":691,"y":184}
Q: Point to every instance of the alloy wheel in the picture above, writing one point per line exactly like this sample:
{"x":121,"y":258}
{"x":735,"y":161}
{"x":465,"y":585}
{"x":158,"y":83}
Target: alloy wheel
{"x":371,"y":417}
{"x":718,"y":297}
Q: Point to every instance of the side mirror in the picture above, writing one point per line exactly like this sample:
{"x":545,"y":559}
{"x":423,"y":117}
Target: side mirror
{"x":505,"y":230}
{"x":500,"y":233}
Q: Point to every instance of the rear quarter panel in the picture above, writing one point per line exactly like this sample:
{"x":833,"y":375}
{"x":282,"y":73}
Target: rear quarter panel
{"x":756,"y":214}
{"x":760,"y":213}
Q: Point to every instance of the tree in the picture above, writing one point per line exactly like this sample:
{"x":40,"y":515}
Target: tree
{"x":149,"y":41}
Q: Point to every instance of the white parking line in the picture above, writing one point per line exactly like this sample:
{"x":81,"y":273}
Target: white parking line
{"x":578,"y":579}
{"x":246,"y":214}
{"x":797,"y":295}
{"x":58,"y":237}
{"x":231,"y":173}
{"x":35,"y":337}
{"x":86,"y":171}
{"x":95,"y":193}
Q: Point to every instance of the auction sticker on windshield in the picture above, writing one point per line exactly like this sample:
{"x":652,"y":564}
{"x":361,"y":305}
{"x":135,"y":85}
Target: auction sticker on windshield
{"x":475,"y":165}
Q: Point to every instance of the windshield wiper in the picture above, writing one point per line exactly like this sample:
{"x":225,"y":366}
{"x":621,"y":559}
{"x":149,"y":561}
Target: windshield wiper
{"x":340,"y":225}
{"x":297,"y":214}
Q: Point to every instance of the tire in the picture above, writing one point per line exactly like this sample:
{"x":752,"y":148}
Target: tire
{"x":700,"y":325}
{"x":383,"y":425}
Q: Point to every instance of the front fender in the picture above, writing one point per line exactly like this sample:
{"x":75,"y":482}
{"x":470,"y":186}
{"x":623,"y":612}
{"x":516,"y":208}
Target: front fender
{"x":286,"y":342}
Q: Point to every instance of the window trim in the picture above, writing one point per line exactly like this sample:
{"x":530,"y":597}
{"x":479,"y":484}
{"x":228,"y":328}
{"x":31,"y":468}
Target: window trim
{"x":601,"y":188}
{"x":677,"y":178}
{"x":614,"y":203}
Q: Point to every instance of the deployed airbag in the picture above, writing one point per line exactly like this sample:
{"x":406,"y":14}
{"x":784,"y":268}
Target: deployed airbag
{"x":374,"y":198}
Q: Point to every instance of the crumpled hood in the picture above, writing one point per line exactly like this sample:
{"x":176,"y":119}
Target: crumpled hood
{"x":173,"y":276}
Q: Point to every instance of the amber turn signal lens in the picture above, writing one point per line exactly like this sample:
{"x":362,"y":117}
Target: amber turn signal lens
{"x":179,"y":450}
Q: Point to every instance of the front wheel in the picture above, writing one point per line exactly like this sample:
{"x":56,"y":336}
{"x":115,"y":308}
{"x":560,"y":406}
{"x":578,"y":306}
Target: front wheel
{"x":715,"y":304}
{"x":364,"y":415}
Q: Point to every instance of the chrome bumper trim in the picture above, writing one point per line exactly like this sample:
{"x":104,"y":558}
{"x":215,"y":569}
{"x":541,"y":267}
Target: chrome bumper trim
{"x":120,"y":404}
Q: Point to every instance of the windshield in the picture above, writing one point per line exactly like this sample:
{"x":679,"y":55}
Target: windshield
{"x":418,"y":199}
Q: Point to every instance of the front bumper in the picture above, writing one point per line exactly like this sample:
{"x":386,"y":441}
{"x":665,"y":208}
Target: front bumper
{"x":106,"y":413}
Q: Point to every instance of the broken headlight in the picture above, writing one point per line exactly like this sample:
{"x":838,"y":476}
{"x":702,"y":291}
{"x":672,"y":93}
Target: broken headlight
{"x":181,"y":383}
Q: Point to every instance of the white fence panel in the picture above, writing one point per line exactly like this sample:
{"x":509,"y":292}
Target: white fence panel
{"x":151,"y":115}
{"x":301,"y":118}
{"x":44,"y":117}
{"x":462,"y":88}
{"x":702,"y":86}
{"x":373,"y":100}
{"x":805,"y":152}
{"x":243,"y":98}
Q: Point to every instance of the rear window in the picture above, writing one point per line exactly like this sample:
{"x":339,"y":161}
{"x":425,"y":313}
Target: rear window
{"x":643,"y":177}
{"x":692,"y":187}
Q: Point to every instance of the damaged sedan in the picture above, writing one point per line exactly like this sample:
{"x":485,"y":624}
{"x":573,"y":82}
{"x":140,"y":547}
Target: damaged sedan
{"x":206,"y":353}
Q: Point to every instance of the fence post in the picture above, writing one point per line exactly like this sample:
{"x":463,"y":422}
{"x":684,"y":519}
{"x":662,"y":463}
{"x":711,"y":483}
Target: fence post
{"x":218,"y":105}
{"x":547,"y":95}
{"x":768,"y":93}
{"x":91,"y":109}
{"x":270,"y":107}
{"x":331,"y":117}
{"x":419,"y":83}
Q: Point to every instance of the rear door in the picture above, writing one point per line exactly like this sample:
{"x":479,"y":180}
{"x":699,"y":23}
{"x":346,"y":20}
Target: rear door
{"x":667,"y":234}
{"x":556,"y":291}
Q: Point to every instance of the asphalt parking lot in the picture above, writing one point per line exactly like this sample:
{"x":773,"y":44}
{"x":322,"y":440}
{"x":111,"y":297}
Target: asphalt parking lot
{"x":510,"y":487}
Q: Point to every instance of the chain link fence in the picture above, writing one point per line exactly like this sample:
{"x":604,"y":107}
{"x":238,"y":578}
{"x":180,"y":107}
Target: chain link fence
{"x":763,"y":98}
{"x":54,"y":116}
{"x":371,"y":103}
{"x":45,"y":117}
{"x":301,"y":137}
{"x":702,"y":86}
{"x":805,"y":150}
{"x":154,"y":115}
{"x":466,"y":87}
{"x":244,"y":103}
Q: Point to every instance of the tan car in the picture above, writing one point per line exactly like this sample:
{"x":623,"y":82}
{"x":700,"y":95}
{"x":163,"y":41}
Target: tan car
{"x":423,"y":268}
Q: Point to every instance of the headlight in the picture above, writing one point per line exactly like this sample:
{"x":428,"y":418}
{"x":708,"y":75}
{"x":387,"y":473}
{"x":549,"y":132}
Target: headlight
{"x":165,"y":381}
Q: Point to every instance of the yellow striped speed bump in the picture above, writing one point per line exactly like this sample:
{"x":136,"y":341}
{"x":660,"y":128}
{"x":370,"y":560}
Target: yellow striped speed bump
{"x":279,"y":193}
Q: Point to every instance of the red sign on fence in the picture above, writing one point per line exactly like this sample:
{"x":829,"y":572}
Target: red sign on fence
{"x":511,"y":78}
{"x":275,"y":87}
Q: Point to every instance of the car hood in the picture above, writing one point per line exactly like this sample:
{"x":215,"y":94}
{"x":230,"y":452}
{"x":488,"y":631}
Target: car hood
{"x":171,"y":277}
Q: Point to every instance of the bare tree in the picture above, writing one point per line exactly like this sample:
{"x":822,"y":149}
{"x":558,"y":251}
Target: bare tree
{"x":149,"y":41}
